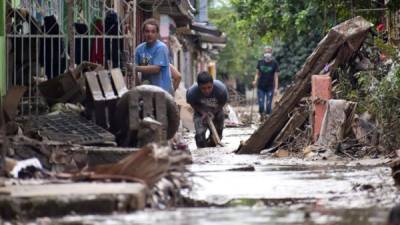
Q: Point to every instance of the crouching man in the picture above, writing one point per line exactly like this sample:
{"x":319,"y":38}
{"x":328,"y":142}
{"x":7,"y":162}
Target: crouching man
{"x":207,"y":98}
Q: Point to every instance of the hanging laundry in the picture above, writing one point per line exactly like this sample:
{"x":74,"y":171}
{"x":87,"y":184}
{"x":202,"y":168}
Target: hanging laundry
{"x":52,"y":52}
{"x":81,"y":43}
{"x":23,"y":51}
{"x":97,"y":48}
{"x":113,"y":45}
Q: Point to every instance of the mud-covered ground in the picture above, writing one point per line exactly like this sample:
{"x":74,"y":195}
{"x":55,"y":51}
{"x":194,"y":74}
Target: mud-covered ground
{"x":256,"y":189}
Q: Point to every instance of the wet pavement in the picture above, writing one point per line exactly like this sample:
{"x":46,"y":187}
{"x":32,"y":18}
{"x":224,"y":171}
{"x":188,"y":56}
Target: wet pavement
{"x":259,"y":189}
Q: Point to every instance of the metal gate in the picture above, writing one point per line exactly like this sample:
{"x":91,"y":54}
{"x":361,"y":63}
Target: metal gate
{"x":47,"y":37}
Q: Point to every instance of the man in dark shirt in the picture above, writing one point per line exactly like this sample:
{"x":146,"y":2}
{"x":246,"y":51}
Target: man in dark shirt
{"x":266,"y":80}
{"x":207,"y":98}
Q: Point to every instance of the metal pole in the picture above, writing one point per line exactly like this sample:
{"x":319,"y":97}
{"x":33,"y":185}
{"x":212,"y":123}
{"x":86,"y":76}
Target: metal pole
{"x":131,"y":75}
{"x":71,"y":34}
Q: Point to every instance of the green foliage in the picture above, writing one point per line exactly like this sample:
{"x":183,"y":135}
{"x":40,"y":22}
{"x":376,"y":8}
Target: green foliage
{"x":285,"y":18}
{"x":293,"y":27}
{"x":239,"y":57}
{"x":394,"y":5}
{"x":378,"y":92}
{"x":386,"y":48}
{"x":292,"y":54}
{"x":383,"y":101}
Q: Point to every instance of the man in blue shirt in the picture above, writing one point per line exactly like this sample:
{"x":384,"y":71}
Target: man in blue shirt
{"x":207,"y":98}
{"x":152,"y":57}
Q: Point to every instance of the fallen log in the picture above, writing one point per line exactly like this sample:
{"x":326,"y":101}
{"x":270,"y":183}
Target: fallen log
{"x":337,"y":47}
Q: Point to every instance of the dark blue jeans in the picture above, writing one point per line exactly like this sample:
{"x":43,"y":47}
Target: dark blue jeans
{"x":265,"y":101}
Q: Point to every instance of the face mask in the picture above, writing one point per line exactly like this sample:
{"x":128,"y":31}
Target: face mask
{"x":268,"y":56}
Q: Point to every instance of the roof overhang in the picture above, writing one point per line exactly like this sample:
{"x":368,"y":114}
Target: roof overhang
{"x":181,"y":11}
{"x":213,"y":39}
{"x":205,"y":28}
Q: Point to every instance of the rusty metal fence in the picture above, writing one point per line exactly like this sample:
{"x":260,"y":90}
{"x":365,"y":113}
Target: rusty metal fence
{"x":47,"y":37}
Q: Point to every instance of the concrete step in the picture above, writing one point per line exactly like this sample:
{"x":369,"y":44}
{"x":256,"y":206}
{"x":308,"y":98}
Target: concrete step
{"x":54,"y":200}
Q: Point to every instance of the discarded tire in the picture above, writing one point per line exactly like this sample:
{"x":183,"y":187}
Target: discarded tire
{"x":125,"y":137}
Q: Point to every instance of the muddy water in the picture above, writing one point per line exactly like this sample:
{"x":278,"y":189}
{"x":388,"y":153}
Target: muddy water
{"x":249,"y":189}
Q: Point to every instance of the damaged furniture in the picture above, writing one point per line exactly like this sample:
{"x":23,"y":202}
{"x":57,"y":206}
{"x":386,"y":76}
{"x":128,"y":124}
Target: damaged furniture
{"x":104,"y":89}
{"x":139,"y":116}
{"x":146,"y":114}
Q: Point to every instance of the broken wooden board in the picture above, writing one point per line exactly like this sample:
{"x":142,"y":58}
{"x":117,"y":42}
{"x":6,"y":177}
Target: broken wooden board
{"x":298,"y":118}
{"x":336,"y":123}
{"x":63,"y":157}
{"x":149,"y":164}
{"x":54,"y":200}
{"x":94,"y":86}
{"x":62,"y":89}
{"x":119,"y":82}
{"x":214,"y":133}
{"x":336,"y":48}
{"x":161,"y":113}
{"x":11,"y":101}
{"x":96,"y":155}
{"x":106,"y":85}
{"x":141,"y":102}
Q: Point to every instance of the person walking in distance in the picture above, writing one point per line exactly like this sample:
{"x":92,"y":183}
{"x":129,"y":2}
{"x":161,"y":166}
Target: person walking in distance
{"x":266,"y":81}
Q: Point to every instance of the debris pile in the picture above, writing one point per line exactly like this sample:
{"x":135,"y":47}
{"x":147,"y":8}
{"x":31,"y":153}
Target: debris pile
{"x":98,"y":131}
{"x":292,"y":124}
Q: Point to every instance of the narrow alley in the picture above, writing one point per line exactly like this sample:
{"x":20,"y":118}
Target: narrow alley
{"x":199,"y":112}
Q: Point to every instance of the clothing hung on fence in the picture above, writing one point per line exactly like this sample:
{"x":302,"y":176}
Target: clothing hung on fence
{"x":23,"y":52}
{"x":113,"y":45}
{"x":52,"y":50}
{"x":81,"y":43}
{"x":97,"y":49}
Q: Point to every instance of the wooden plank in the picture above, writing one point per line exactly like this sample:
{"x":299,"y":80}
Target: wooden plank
{"x":119,"y":82}
{"x":161,"y":108}
{"x":106,"y":85}
{"x":133,"y":110}
{"x":11,"y":102}
{"x":214,"y":133}
{"x":100,"y":114}
{"x":161,"y":112}
{"x":94,"y":86}
{"x":148,"y":107}
{"x":299,"y":117}
{"x":349,"y":33}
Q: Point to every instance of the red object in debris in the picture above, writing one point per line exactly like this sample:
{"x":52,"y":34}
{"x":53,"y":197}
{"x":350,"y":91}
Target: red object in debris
{"x":97,"y":48}
{"x":380,"y":27}
{"x":321,"y":92}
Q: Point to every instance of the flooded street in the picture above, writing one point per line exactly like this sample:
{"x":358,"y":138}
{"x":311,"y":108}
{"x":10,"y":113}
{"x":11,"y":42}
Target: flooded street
{"x":100,"y":102}
{"x":257,"y":189}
